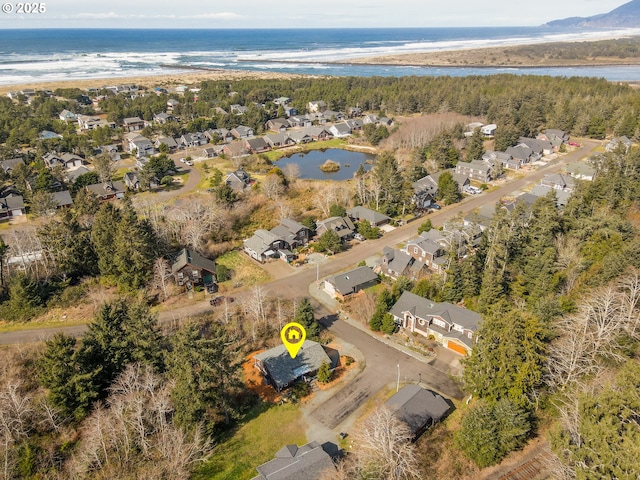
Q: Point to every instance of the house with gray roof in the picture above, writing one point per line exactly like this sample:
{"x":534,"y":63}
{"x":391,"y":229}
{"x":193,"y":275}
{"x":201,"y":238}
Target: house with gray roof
{"x":11,"y":163}
{"x":348,"y":283}
{"x":539,"y":146}
{"x":503,"y":158}
{"x":428,"y":249}
{"x":340,"y":130}
{"x":559,"y":182}
{"x":318,"y":133}
{"x":300,"y":136}
{"x":343,"y":226}
{"x":242,"y":132}
{"x":523,"y":154}
{"x":11,"y":203}
{"x":257,"y":145}
{"x":364,"y":214}
{"x":163,"y":117}
{"x":308,"y":462}
{"x":131,"y":124}
{"x":189,"y":268}
{"x":561,"y":196}
{"x":277,"y":242}
{"x":168,"y":141}
{"x":67,"y":116}
{"x":452,"y":326}
{"x":475,"y":170}
{"x":62,"y":199}
{"x":619,"y":142}
{"x":581,"y":170}
{"x":238,"y":180}
{"x":279,"y":140}
{"x":235,"y":149}
{"x":395,"y":263}
{"x":282,"y":371}
{"x":461,"y":179}
{"x":68,"y":161}
{"x":424,"y":192}
{"x":555,"y":137}
{"x":277,"y":124}
{"x":418,"y":408}
{"x":107,"y":190}
{"x":218,"y":135}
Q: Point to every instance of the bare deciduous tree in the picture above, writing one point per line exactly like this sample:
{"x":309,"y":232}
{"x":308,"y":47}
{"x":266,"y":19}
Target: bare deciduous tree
{"x":161,"y":276}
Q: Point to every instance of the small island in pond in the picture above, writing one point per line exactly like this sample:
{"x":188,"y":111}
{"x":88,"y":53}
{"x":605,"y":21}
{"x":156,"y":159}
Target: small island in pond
{"x":330,"y":166}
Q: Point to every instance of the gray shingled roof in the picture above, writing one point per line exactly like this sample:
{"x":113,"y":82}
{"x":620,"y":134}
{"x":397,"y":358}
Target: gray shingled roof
{"x":261,"y":241}
{"x":417,"y":407}
{"x":283,"y":369}
{"x":424,"y":308}
{"x":364,"y":213}
{"x":190,"y":257}
{"x":348,"y":282}
{"x":308,"y":462}
{"x":62,"y":199}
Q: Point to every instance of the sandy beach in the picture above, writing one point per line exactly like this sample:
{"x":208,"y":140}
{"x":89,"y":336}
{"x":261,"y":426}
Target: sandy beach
{"x":191,"y":78}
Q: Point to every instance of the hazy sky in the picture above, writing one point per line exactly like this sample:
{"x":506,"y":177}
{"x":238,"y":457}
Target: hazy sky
{"x":300,"y":14}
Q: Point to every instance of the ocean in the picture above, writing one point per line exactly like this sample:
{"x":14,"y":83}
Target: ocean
{"x":40,"y":55}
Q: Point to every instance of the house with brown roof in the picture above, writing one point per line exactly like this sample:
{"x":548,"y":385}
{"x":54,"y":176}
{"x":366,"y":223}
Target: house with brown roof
{"x":189,"y":268}
{"x":107,"y":190}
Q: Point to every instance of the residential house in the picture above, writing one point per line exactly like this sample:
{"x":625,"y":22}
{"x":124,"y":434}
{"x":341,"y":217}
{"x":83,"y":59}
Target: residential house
{"x":318,"y":133}
{"x":238,"y":109}
{"x":489,"y":130}
{"x":86,"y":122}
{"x":107,"y":190}
{"x":452,"y":326}
{"x":279,"y":140}
{"x":559,"y":182}
{"x":189,"y":268}
{"x":354,"y":112}
{"x":424,"y":192}
{"x":340,"y":130}
{"x":333,"y":116}
{"x":396,"y":263}
{"x":277,"y":242}
{"x":561,"y":196}
{"x":257,"y":145}
{"x":219,"y":135}
{"x":277,"y":125}
{"x":62,"y":199}
{"x":299,"y":121}
{"x":112,"y":150}
{"x":290,"y":111}
{"x":72,"y":175}
{"x":343,"y":285}
{"x":11,"y":203}
{"x":555,"y":137}
{"x":163,"y":117}
{"x":317,"y":106}
{"x":581,"y":171}
{"x":238,"y":180}
{"x":418,"y":408}
{"x":211,"y":152}
{"x":343,"y":226}
{"x":142,"y":146}
{"x":309,"y":462}
{"x":170,"y":142}
{"x":282,"y":371}
{"x":461,"y":179}
{"x":67,"y":116}
{"x":132,"y":124}
{"x":364,"y":214}
{"x":482,"y":217}
{"x":471,"y":128}
{"x":355,"y":124}
{"x":48,"y":135}
{"x":191,"y":140}
{"x":11,"y":163}
{"x":242,"y":132}
{"x":475,"y":170}
{"x":619,"y":142}
{"x":235,"y":149}
{"x":68,"y":161}
{"x":505,"y":159}
{"x":172,"y":103}
{"x":282,"y":101}
{"x":300,"y":136}
{"x":523,"y":154}
{"x":429,"y":249}
{"x":542,"y":147}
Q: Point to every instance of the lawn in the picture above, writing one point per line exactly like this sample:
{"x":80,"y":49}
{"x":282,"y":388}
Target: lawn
{"x":274,"y":155}
{"x":254,"y":443}
{"x":245,"y":272}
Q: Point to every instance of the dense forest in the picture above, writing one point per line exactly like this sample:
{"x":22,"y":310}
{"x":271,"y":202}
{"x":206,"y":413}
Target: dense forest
{"x":558,"y":291}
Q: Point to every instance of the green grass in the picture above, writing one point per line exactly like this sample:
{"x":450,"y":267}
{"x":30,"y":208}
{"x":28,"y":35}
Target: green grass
{"x":254,"y":443}
{"x":245,"y":272}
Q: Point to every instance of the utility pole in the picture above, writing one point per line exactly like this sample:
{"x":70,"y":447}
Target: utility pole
{"x":398,"y":385}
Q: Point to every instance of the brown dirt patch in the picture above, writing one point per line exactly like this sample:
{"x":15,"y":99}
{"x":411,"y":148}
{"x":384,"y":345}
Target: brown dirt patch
{"x":255,"y":380}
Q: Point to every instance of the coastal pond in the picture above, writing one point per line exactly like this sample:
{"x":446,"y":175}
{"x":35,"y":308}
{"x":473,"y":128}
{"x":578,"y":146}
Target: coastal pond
{"x":309,"y":163}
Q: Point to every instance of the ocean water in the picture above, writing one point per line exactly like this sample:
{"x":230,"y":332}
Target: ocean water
{"x":36,"y":55}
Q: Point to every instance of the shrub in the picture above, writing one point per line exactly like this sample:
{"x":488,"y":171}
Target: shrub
{"x":325,"y":373}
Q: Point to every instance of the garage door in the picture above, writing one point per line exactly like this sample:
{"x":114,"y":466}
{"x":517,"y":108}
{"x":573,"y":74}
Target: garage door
{"x":456,"y":348}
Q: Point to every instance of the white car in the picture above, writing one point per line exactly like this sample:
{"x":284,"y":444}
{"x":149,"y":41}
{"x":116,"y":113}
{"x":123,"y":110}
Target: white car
{"x":472,"y":190}
{"x":183,"y":160}
{"x":189,"y":162}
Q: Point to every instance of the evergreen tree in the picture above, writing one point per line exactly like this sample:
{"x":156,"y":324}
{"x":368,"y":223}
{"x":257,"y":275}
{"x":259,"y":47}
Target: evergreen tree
{"x":385,"y":170}
{"x":103,"y":233}
{"x":448,"y":189}
{"x":452,"y":290}
{"x":330,"y":242}
{"x":475,"y":146}
{"x":324,"y":373}
{"x":305,"y":317}
{"x":25,"y":300}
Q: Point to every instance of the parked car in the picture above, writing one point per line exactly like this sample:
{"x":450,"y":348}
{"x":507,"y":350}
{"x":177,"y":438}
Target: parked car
{"x":217,"y":301}
{"x":183,"y":160}
{"x":435,"y":206}
{"x":189,"y":162}
{"x":359,"y":237}
{"x":472,"y":190}
{"x":574,"y":144}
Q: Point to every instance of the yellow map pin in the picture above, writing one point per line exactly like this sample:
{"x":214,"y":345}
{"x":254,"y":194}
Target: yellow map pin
{"x":293,"y":335}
